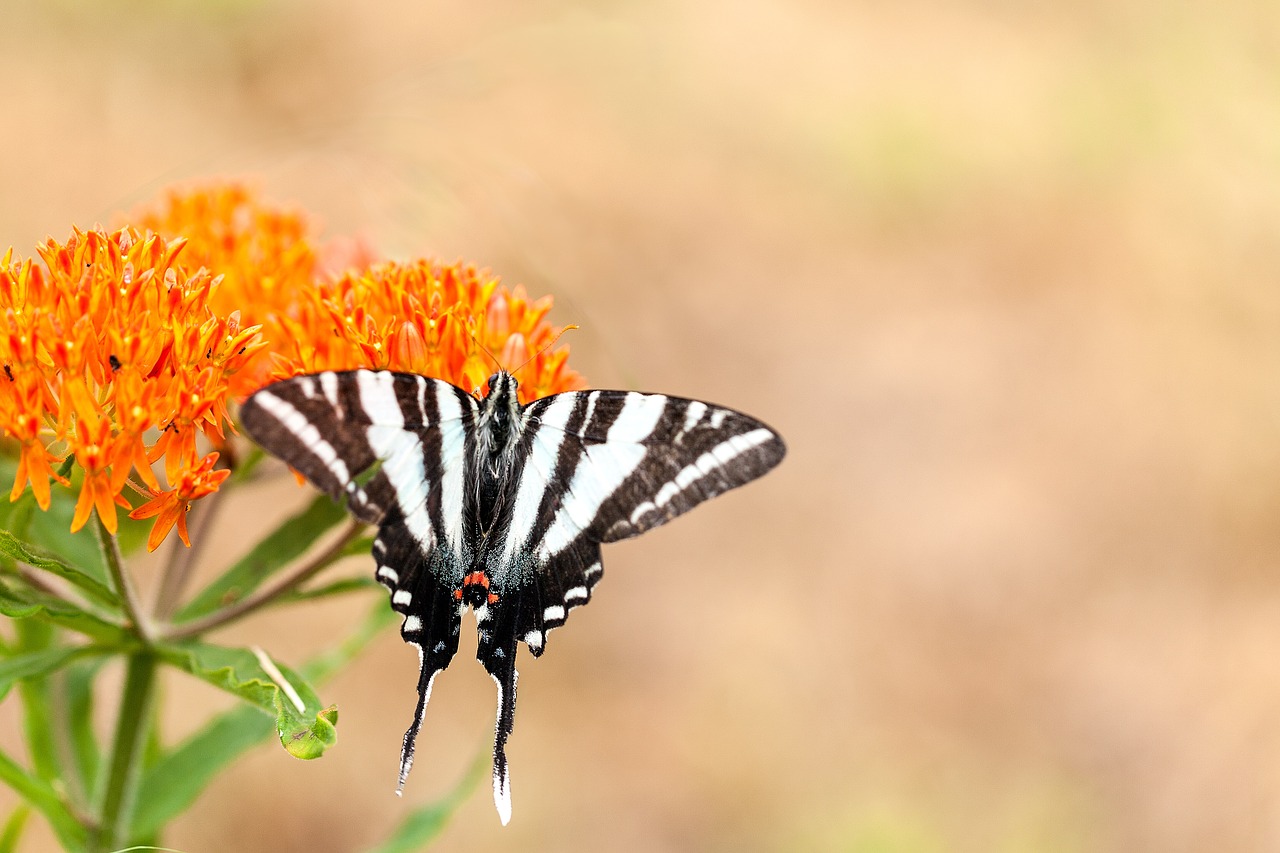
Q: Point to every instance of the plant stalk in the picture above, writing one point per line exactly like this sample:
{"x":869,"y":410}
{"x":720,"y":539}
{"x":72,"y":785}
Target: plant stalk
{"x":116,"y":812}
{"x":138,"y":623}
{"x":264,"y":595}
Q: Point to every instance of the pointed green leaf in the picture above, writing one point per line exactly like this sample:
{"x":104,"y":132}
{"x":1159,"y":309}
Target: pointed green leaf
{"x":51,"y":529}
{"x":37,"y":702}
{"x":13,"y":829}
{"x":305,"y":727}
{"x":21,"y":602}
{"x":39,"y":663}
{"x":424,"y":824}
{"x":26,"y":553}
{"x":175,"y":782}
{"x":281,"y":547}
{"x":40,"y":795}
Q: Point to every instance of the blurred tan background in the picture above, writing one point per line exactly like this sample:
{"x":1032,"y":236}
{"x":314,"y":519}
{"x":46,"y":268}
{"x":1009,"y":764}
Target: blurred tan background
{"x":1005,"y":278}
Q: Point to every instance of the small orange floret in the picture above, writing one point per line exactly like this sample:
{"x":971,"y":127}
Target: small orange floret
{"x":170,"y":507}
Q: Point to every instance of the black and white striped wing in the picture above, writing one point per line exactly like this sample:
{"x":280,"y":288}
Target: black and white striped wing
{"x":393,"y":445}
{"x":607,"y":465}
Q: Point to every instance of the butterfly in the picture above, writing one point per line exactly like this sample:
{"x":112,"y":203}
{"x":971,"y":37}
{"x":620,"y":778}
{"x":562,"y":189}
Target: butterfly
{"x":496,"y":506}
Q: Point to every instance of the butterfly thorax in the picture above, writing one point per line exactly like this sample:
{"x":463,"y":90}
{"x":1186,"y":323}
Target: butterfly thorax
{"x":497,"y":436}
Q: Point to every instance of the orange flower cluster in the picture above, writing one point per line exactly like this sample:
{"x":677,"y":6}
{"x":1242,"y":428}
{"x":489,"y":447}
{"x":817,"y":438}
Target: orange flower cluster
{"x":426,"y":317}
{"x":108,"y":341}
{"x":124,"y":348}
{"x":447,"y":321}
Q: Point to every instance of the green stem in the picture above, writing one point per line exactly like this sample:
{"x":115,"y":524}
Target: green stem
{"x":268,"y":593}
{"x":116,"y":812}
{"x":138,"y":624}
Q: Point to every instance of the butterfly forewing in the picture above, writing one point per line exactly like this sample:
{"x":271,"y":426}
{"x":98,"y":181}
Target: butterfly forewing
{"x":640,"y":460}
{"x":505,"y":515}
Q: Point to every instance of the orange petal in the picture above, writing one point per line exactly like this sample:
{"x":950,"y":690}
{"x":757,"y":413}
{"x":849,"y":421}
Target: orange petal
{"x":84,"y":504}
{"x":106,"y":505}
{"x":164,"y":523}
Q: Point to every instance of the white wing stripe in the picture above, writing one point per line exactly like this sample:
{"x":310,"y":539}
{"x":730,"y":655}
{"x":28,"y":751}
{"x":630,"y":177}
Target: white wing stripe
{"x":402,"y":465}
{"x":540,"y":464}
{"x":714,"y":459}
{"x":452,"y":465}
{"x":693,"y":414}
{"x":639,"y":415}
{"x":329,"y":385}
{"x":378,"y":397}
{"x":297,"y":423}
{"x":599,"y":473}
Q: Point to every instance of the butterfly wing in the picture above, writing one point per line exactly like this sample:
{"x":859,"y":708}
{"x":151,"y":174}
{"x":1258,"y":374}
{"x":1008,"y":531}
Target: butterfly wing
{"x":609,"y":465}
{"x":393,"y":445}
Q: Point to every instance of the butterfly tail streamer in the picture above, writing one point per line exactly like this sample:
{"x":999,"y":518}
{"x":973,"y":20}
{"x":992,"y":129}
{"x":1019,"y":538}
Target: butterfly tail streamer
{"x":497,"y":652}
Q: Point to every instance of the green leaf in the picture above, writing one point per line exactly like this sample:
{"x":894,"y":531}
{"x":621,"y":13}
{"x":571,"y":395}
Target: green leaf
{"x":13,"y":829}
{"x":178,"y":779}
{"x":423,"y":824}
{"x":21,"y":602}
{"x":37,"y":703}
{"x":359,"y":547}
{"x":306,"y":728}
{"x":39,"y":663}
{"x":283,"y":545}
{"x":77,"y":688}
{"x":51,"y":529}
{"x":181,"y":776}
{"x":29,"y":554}
{"x":40,"y":795}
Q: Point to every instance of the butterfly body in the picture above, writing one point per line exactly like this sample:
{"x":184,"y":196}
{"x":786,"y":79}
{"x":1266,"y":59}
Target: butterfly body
{"x":498,"y":506}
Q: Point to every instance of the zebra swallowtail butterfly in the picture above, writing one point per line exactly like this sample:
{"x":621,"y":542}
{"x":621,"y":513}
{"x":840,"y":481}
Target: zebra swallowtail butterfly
{"x":496,"y":506}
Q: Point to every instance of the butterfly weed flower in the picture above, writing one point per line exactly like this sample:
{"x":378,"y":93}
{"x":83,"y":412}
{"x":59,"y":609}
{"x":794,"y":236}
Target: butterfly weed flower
{"x":330,"y":305}
{"x":265,"y":255}
{"x":447,"y":321}
{"x":114,"y":360}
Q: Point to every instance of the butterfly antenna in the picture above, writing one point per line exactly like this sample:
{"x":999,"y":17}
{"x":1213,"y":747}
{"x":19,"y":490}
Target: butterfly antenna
{"x":484,"y":349}
{"x":548,"y":346}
